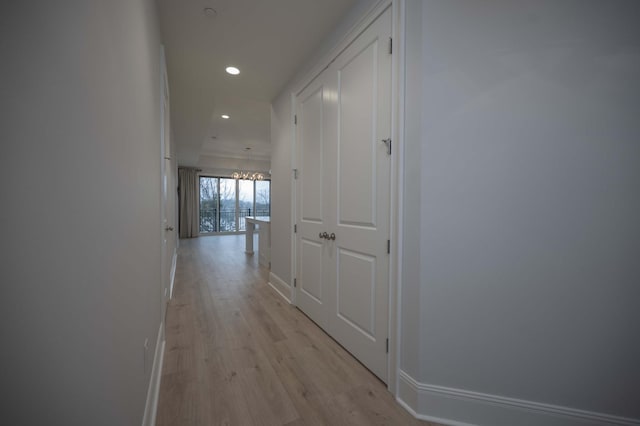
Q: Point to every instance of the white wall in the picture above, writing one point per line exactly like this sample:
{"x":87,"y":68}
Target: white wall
{"x":523,"y":279}
{"x":281,"y":180}
{"x":80,"y":219}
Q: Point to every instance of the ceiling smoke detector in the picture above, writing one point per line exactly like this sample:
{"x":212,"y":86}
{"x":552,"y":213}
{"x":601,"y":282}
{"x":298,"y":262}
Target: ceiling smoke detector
{"x":210,"y":12}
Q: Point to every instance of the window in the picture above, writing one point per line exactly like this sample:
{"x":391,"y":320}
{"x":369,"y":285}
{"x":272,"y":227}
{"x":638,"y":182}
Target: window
{"x":263,"y":198}
{"x":225,"y":202}
{"x":245,"y":201}
{"x":209,"y":197}
{"x":228,"y":205}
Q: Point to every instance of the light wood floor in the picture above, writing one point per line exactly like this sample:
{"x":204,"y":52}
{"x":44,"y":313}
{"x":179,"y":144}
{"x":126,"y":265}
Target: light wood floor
{"x":239,"y":354}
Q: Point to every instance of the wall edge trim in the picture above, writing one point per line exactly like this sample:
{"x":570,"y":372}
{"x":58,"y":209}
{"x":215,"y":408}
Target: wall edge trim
{"x":280,"y":286}
{"x":153,"y":391}
{"x":495,"y":402}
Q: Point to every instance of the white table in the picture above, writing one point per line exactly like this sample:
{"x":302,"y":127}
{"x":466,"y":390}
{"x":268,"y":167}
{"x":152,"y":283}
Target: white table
{"x":264,"y":238}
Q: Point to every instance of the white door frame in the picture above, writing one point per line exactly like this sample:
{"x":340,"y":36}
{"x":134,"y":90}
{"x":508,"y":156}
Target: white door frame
{"x":396,"y":196}
{"x":164,"y":174}
{"x":396,"y":184}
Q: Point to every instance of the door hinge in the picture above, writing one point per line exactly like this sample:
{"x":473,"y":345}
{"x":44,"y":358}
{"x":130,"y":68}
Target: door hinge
{"x":390,"y":45}
{"x":387,"y":345}
{"x":295,"y":173}
{"x":295,"y":119}
{"x":295,"y":228}
{"x":389,"y":246}
{"x":295,"y":282}
{"x":387,"y":142}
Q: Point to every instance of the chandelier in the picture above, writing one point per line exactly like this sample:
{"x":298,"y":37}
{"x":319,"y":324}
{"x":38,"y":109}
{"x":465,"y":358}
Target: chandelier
{"x":246,"y":174}
{"x":243,"y":174}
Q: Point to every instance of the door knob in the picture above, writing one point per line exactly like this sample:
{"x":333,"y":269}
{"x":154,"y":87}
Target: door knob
{"x":325,"y":235}
{"x":320,"y":235}
{"x":169,"y":228}
{"x":332,"y":236}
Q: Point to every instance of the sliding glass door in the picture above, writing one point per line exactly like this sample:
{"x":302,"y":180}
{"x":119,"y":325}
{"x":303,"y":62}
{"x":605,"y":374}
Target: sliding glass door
{"x":209,"y":204}
{"x":228,"y":205}
{"x":245,"y":201}
{"x":225,"y":202}
{"x":263,"y":198}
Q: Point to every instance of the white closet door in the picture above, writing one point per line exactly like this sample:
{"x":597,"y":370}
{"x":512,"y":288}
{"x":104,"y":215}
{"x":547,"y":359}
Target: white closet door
{"x":343,"y":189}
{"x":313,"y":112}
{"x":359,"y":260}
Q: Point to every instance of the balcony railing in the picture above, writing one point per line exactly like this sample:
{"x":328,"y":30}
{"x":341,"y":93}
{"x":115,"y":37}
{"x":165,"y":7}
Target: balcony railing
{"x":214,"y":220}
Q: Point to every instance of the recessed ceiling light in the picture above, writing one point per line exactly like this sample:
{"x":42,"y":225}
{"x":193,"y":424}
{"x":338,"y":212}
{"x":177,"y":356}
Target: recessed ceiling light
{"x":233,"y":70}
{"x":225,"y":116}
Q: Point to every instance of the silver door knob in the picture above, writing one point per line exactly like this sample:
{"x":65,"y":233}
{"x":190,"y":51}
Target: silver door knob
{"x":332,"y":236}
{"x":324,"y":235}
{"x":169,"y":228}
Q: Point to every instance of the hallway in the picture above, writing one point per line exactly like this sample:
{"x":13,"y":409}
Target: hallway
{"x":238,"y":354}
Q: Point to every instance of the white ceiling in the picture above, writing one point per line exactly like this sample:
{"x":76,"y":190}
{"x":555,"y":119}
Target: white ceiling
{"x":268,"y":40}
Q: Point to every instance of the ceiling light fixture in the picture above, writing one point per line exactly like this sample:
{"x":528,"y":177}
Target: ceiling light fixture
{"x":210,"y":12}
{"x":225,"y":116}
{"x":245,"y":174}
{"x":233,"y":70}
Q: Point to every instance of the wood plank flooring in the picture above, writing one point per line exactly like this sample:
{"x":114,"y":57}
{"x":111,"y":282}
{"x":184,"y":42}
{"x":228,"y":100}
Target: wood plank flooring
{"x":239,"y":354}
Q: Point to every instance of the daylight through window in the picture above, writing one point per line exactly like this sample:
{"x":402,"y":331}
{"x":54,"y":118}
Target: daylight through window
{"x":225,"y":202}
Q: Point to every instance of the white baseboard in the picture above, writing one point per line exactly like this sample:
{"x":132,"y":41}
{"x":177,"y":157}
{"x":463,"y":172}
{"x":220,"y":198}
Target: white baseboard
{"x":151,"y":406}
{"x":458,"y":407}
{"x":281,"y":287}
{"x":172,"y":274}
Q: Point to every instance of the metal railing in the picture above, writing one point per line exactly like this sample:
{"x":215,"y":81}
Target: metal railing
{"x":214,"y":220}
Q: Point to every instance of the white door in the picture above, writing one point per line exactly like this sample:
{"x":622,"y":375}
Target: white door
{"x":166,"y":185}
{"x":313,"y":111}
{"x":348,"y":273}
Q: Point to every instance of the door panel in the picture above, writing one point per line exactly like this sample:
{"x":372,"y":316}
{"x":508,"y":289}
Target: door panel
{"x":311,"y":111}
{"x":356,"y":283}
{"x":356,"y":152}
{"x":311,"y":269}
{"x":362,"y":226}
{"x":312,"y":156}
{"x":341,"y":148}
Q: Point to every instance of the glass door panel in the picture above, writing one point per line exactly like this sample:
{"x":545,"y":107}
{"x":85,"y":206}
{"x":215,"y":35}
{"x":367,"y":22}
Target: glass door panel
{"x":263,"y":198}
{"x":227,"y":205}
{"x":245,"y":201}
{"x":208,"y":204}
